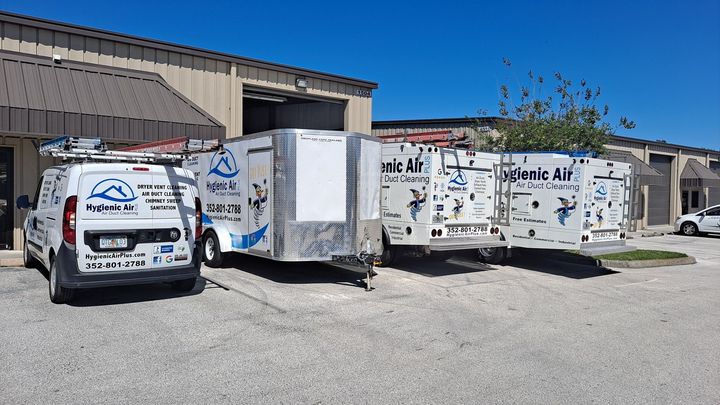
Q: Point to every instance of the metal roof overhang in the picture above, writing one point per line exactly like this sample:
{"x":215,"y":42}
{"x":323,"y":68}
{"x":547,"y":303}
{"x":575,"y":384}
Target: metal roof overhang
{"x":697,"y":175}
{"x":647,"y":174}
{"x":40,"y":98}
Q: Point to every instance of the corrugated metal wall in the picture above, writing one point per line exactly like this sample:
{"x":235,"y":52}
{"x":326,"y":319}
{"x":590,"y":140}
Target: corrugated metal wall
{"x":214,"y":85}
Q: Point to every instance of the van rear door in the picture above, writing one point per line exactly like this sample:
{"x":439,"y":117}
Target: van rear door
{"x":173,"y":210}
{"x":113,"y":219}
{"x":134,"y":217}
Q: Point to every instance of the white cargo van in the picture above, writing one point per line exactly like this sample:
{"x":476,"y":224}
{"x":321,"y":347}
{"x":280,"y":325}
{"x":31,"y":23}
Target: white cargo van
{"x":438,"y":199}
{"x":93,"y":223}
{"x":566,"y":201}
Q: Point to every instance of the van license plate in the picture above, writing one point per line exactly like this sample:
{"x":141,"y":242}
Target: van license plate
{"x":113,"y":242}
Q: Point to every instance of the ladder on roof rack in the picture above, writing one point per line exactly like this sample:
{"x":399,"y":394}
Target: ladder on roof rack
{"x":70,"y":147}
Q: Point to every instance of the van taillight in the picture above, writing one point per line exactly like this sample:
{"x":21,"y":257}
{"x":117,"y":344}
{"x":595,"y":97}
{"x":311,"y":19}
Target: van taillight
{"x":198,"y":219}
{"x":69,"y":216}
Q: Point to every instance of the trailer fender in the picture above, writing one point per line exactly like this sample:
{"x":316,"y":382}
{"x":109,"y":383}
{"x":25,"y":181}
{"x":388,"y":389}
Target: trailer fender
{"x":223,"y":237}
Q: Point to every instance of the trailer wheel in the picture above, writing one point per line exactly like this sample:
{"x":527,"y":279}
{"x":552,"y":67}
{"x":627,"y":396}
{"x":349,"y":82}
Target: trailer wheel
{"x":211,"y":250}
{"x":58,"y":294}
{"x":492,"y":255}
{"x":184,"y":285}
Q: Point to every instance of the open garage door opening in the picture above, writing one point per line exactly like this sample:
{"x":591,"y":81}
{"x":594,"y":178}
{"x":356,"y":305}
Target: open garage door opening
{"x":267,"y":109}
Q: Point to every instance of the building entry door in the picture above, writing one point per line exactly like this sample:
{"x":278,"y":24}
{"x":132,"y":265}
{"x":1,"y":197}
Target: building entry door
{"x":7,"y":202}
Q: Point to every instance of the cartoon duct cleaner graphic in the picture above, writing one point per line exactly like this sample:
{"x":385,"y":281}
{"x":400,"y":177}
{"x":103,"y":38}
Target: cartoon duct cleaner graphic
{"x":260,"y":202}
{"x":565,"y":210}
{"x":599,"y":217}
{"x":457,"y":209}
{"x":417,"y":203}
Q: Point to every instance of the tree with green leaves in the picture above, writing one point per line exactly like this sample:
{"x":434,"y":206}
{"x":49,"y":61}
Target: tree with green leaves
{"x":565,"y":118}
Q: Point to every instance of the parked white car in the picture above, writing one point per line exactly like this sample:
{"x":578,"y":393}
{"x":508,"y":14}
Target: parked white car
{"x":705,"y":221}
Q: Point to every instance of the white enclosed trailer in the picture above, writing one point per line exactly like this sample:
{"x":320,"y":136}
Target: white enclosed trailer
{"x":437,"y":199}
{"x":565,"y":201}
{"x":291,"y":195}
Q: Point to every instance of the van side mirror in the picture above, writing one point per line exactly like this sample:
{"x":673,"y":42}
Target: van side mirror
{"x":23,"y":202}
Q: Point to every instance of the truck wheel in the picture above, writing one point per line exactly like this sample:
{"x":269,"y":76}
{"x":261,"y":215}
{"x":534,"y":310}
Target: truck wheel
{"x":184,"y":285}
{"x":58,"y":294}
{"x":492,"y":255}
{"x":689,"y":229}
{"x":211,"y":250}
{"x":28,"y":261}
{"x":388,"y":254}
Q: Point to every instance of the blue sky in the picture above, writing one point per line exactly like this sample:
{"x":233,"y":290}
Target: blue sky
{"x":657,"y":62}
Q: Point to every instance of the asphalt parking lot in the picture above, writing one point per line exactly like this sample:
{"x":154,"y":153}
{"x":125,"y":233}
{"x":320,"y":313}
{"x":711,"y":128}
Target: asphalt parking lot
{"x":548,"y":328}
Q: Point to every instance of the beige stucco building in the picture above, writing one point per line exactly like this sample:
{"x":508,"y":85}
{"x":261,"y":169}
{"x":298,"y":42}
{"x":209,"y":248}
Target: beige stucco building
{"x":60,"y":78}
{"x":687,"y":181}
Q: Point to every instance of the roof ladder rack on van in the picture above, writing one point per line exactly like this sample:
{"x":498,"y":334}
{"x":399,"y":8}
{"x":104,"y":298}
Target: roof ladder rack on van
{"x":69,"y":147}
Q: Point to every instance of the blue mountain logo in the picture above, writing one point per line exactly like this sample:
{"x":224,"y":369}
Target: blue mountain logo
{"x":223,"y":165}
{"x":113,"y":190}
{"x":458,"y":177}
{"x":601,"y":189}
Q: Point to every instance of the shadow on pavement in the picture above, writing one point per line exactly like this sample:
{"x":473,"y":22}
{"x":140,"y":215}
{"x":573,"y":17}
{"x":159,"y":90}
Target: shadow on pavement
{"x":296,"y":272}
{"x":558,"y":263}
{"x":92,"y":297}
{"x":458,"y":263}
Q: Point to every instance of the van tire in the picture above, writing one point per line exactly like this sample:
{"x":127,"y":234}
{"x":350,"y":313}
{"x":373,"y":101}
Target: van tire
{"x":28,"y":261}
{"x":492,"y":255}
{"x":58,"y":294}
{"x":212,"y":255}
{"x":184,"y":285}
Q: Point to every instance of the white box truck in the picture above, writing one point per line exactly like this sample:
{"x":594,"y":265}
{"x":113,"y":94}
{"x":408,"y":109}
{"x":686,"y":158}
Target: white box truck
{"x":438,"y":199}
{"x":290,"y":195}
{"x":108,"y":218}
{"x":565,"y":201}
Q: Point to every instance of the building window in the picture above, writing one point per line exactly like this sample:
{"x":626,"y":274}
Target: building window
{"x":694,"y":197}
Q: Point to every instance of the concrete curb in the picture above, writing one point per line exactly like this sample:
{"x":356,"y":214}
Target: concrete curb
{"x":11,"y":262}
{"x":636,"y":264}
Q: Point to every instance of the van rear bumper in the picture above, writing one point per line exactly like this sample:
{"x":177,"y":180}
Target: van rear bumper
{"x":70,"y":277}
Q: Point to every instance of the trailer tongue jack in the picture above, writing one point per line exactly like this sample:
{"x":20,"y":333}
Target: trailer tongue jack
{"x":362,"y":259}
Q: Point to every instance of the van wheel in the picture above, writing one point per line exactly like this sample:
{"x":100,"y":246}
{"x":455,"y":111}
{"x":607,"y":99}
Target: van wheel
{"x":184,"y":285}
{"x":58,"y":294}
{"x":689,"y":229}
{"x":492,"y":255}
{"x":28,"y":261}
{"x":211,"y":250}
